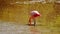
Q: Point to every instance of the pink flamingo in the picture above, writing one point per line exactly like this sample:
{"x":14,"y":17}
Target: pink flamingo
{"x":33,"y":14}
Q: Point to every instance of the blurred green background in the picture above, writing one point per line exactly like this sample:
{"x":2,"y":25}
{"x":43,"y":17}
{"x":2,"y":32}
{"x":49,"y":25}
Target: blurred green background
{"x":14,"y":12}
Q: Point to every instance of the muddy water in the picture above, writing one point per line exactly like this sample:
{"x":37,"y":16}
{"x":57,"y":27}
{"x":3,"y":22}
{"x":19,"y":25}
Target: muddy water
{"x":9,"y":28}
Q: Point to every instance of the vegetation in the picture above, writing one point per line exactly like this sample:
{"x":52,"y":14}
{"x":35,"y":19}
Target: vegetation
{"x":10,"y":11}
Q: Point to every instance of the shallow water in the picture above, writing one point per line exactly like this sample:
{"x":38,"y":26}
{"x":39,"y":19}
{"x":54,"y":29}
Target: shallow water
{"x":9,"y":28}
